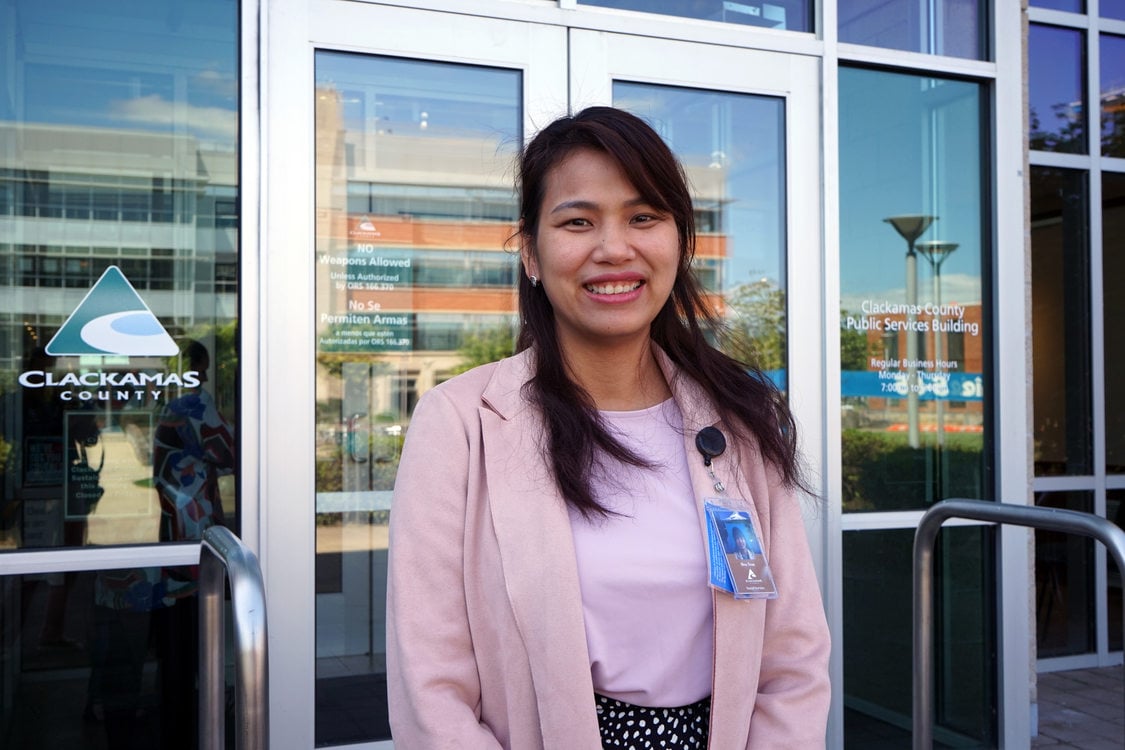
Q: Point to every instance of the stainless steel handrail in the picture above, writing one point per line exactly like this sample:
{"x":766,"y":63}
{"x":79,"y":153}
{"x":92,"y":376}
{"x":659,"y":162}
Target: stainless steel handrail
{"x":222,"y":554}
{"x":1051,"y":519}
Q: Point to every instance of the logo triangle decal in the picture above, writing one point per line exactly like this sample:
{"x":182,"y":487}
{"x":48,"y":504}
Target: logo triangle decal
{"x":112,"y":319}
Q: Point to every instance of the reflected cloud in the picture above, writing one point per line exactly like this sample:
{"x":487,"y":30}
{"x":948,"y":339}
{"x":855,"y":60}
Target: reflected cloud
{"x":154,"y":110}
{"x":222,"y":83}
{"x":961,"y":288}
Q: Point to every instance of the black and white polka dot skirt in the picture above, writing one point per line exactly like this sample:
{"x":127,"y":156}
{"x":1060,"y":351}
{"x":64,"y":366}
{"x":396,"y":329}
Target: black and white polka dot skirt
{"x":630,"y":727}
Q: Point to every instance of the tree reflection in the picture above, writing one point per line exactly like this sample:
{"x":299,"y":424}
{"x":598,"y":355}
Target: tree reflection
{"x":1069,"y":136}
{"x":756,"y":319}
{"x":486,"y":345}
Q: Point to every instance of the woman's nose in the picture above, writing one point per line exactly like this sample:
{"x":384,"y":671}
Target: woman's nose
{"x":614,"y":246}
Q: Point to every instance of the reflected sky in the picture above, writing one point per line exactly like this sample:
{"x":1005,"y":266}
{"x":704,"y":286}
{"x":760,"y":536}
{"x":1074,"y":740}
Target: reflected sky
{"x":387,"y":95}
{"x":936,"y":27}
{"x":1112,"y":59}
{"x":908,"y":145}
{"x":1112,"y":9}
{"x":1073,"y":6}
{"x":732,"y":146}
{"x":161,"y":66}
{"x":1055,"y":93}
{"x":791,"y":15}
{"x":1112,"y":64}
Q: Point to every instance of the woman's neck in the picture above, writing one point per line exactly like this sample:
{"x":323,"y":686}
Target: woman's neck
{"x":618,"y":378}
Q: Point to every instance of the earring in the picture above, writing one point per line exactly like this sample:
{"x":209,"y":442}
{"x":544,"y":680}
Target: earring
{"x":534,"y":280}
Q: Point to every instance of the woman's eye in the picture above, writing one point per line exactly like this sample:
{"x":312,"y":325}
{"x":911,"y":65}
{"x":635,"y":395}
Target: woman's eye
{"x":643,"y":218}
{"x":578,"y":223}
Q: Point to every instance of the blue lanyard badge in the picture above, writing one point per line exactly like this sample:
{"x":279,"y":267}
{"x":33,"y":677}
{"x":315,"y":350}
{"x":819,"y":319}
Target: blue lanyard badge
{"x":738,"y":564}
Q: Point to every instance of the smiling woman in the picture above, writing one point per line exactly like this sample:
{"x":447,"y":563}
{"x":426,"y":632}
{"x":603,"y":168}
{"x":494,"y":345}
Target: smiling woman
{"x":571,"y":459}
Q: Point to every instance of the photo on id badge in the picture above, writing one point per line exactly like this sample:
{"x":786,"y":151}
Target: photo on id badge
{"x":744,"y":553}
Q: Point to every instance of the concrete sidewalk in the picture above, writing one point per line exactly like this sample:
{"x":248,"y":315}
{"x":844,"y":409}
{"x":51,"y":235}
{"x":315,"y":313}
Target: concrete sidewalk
{"x":1083,"y":708}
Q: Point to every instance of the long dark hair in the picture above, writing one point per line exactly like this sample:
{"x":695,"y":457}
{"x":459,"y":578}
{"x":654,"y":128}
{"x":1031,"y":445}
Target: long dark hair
{"x":750,"y":405}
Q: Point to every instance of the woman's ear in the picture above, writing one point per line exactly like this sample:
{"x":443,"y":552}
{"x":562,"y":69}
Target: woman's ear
{"x":527,"y":254}
{"x":530,"y":265}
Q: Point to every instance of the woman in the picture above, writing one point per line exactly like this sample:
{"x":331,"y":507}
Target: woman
{"x":548,"y":558}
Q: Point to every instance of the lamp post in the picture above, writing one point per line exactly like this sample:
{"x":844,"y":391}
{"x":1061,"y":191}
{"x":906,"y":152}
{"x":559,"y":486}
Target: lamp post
{"x":936,"y":251}
{"x":910,"y":227}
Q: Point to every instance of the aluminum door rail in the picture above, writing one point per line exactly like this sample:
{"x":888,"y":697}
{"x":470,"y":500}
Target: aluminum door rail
{"x":1050,"y":519}
{"x":222,"y":555}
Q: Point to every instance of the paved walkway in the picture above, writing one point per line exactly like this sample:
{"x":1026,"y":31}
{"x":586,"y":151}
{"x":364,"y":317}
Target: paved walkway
{"x":1084,"y":708}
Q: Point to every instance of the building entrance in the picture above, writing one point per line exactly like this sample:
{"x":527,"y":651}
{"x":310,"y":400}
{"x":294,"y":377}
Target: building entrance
{"x":416,"y":119}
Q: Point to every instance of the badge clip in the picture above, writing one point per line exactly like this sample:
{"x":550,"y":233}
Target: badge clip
{"x":710,"y":443}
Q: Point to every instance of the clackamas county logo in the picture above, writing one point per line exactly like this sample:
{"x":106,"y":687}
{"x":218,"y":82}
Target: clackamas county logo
{"x":111,"y":320}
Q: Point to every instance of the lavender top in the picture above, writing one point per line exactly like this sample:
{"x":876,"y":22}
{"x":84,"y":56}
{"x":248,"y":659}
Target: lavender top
{"x":643,"y":574}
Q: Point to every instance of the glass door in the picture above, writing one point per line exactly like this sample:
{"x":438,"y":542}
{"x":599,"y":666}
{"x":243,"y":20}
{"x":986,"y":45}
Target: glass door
{"x":389,"y":271}
{"x":746,"y":125}
{"x":120,"y":413}
{"x":388,"y":209}
{"x":413,"y":284}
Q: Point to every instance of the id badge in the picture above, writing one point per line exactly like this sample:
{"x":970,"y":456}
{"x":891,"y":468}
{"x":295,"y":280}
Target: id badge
{"x":738,"y":564}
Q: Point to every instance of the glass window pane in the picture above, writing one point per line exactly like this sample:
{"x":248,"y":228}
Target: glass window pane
{"x":953,"y":28}
{"x":878,"y":638}
{"x":1112,"y":59}
{"x":1056,"y":89}
{"x":732,"y":147}
{"x":116,"y":427}
{"x":1060,"y":322}
{"x":1114,"y":9}
{"x":414,"y":207}
{"x":1072,"y":6}
{"x":913,"y":250}
{"x":1064,"y":582}
{"x":98,"y":659}
{"x":793,"y":15}
{"x":1113,"y":313}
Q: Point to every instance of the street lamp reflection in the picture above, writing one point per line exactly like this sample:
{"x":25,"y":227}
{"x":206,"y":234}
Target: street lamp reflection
{"x":910,"y":227}
{"x":936,"y":251}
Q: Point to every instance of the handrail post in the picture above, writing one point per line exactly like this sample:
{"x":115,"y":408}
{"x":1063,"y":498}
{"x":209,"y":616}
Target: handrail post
{"x":1052,"y":519}
{"x":223,"y":555}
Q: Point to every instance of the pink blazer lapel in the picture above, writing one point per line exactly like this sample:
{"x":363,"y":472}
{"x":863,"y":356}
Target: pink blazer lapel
{"x":532,"y":529}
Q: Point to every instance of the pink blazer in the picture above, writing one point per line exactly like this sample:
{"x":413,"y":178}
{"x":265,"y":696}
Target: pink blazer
{"x":485,"y":640}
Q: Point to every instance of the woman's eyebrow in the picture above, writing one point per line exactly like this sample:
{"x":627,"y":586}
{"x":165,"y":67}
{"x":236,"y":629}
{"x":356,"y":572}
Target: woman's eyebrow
{"x":586,"y":205}
{"x":580,"y":204}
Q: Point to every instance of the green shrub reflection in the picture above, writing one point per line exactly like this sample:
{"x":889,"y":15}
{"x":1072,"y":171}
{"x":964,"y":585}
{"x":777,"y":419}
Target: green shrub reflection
{"x":881,"y":472}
